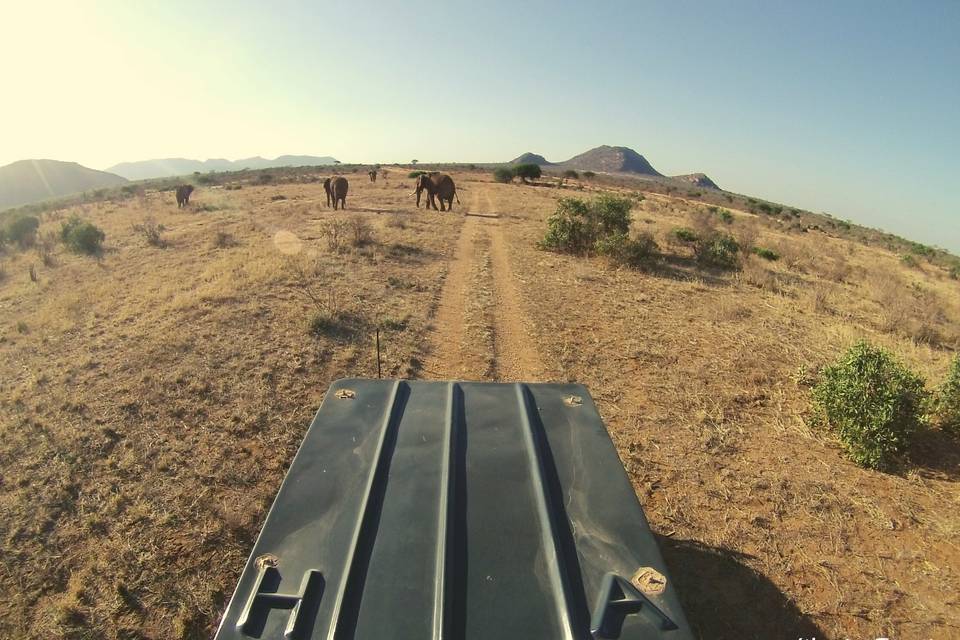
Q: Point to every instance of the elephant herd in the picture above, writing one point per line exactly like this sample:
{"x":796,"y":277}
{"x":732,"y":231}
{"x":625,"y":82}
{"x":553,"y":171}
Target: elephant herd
{"x":439,"y":186}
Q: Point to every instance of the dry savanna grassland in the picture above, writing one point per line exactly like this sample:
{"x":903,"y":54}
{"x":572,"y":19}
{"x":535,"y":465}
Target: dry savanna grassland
{"x":153,"y":395}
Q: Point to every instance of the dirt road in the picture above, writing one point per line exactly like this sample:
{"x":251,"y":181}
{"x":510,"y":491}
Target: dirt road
{"x":481,"y":328}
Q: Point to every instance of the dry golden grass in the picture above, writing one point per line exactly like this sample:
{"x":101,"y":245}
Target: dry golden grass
{"x":155,"y":397}
{"x":703,"y":381}
{"x":152,"y":400}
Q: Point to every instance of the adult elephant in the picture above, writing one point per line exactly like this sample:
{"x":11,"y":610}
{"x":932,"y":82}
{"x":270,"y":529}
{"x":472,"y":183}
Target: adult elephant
{"x":183,"y":195}
{"x":439,"y":186}
{"x":373,"y":175}
{"x":338,"y":189}
{"x":326,"y":187}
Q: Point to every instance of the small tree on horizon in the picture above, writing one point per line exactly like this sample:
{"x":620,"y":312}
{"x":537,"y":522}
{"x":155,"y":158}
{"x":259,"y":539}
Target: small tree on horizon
{"x":525,"y":171}
{"x":503,"y":174}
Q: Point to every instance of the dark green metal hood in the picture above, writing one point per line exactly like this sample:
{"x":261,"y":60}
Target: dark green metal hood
{"x":426,"y":510}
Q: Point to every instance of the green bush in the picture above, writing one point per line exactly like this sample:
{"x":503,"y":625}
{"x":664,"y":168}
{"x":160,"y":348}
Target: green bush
{"x":726,"y":216}
{"x":416,"y":174}
{"x":873,"y":402}
{"x":718,"y":249}
{"x":22,"y":231}
{"x":503,"y":174}
{"x":527,"y":171}
{"x":684,"y":234}
{"x":766,"y":254}
{"x":947,"y":401}
{"x":620,"y":248}
{"x":955,"y":272}
{"x":576,"y":225}
{"x":570,"y":173}
{"x":588,"y":174}
{"x":81,"y":236}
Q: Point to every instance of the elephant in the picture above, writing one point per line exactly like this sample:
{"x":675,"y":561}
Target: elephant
{"x":338,"y":189}
{"x":183,"y":195}
{"x":326,"y":187}
{"x":373,"y":175}
{"x":437,"y":185}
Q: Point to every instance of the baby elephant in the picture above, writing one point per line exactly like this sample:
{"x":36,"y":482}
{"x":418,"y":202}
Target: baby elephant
{"x":183,"y":195}
{"x":338,"y":189}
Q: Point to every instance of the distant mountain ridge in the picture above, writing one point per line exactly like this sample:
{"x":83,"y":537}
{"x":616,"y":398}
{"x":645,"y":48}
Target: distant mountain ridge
{"x":27,"y":181}
{"x":608,"y":159}
{"x":169,"y":167}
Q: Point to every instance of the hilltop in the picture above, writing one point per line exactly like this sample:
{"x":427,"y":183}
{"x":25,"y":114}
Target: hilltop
{"x":28,"y":181}
{"x":531,"y":158}
{"x":168,"y":167}
{"x":607,"y":159}
{"x":698,"y":179}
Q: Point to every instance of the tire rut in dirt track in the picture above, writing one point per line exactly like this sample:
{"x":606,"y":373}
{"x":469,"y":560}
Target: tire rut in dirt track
{"x":452,"y":353}
{"x":445,"y":360}
{"x":515,"y":346}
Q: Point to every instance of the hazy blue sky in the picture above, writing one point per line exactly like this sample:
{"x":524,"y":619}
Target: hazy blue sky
{"x":847,"y":107}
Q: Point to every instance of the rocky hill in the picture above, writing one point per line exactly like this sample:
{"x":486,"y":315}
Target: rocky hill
{"x":27,"y":181}
{"x":609,"y":159}
{"x":531,"y":158}
{"x":698,"y":179}
{"x":168,"y":167}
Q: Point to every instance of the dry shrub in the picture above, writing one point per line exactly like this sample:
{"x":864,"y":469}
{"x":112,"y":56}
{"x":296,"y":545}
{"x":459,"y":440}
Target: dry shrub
{"x":151,"y":231}
{"x":46,"y":244}
{"x":311,"y":281}
{"x":747,"y":234}
{"x":822,"y":298}
{"x":910,"y":310}
{"x":396,"y":221}
{"x":223,"y":240}
{"x":796,"y":255}
{"x":832,"y":264}
{"x":335,"y":231}
{"x":755,"y":273}
{"x":361,"y":232}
